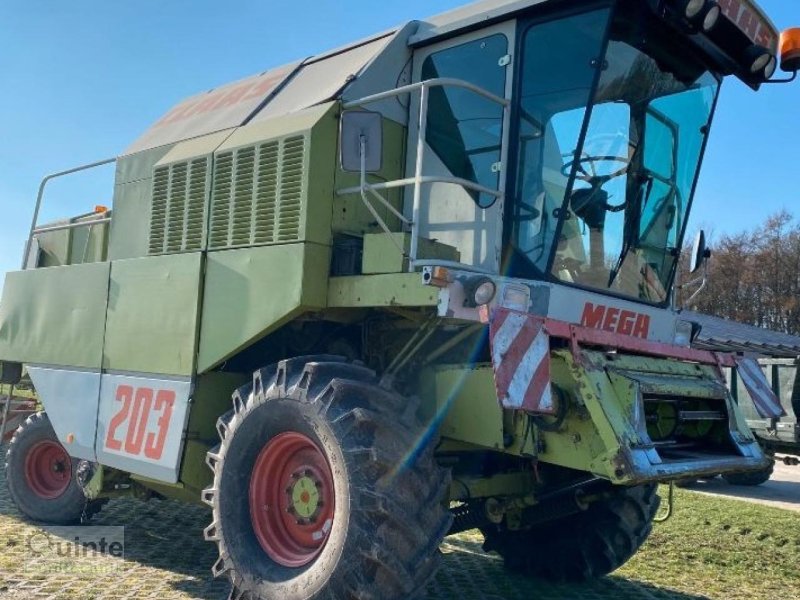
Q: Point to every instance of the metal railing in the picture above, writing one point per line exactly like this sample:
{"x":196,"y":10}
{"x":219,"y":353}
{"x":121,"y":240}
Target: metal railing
{"x":418,"y":180}
{"x":34,"y":222}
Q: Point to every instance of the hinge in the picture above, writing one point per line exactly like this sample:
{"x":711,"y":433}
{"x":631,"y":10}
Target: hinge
{"x":504,"y":60}
{"x":497,"y":167}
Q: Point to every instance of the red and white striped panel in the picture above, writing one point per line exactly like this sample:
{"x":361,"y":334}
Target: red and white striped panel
{"x":521,"y":360}
{"x":767,"y":404}
{"x":19,"y":411}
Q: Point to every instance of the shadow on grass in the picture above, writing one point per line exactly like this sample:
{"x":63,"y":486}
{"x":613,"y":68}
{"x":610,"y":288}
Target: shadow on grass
{"x":469,"y":573}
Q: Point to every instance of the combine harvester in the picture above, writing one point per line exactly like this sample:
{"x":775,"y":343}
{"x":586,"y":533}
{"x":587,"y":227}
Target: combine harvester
{"x":434,"y":271}
{"x":778,"y":355}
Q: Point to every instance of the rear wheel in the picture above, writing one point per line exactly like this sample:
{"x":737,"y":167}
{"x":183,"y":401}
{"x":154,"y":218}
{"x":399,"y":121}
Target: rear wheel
{"x":322,"y":489}
{"x":41,"y":476}
{"x":752,"y":478}
{"x":586,"y":545}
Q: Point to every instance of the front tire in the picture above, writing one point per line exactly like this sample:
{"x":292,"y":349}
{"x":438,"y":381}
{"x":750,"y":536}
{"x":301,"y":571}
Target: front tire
{"x":41,"y":476}
{"x":321,"y":489}
{"x":584,"y":546}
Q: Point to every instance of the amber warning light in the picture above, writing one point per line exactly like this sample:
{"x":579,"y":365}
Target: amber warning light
{"x":790,"y":50}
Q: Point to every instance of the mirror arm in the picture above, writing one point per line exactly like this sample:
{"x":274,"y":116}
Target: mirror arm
{"x":787,"y":80}
{"x":365,"y":187}
{"x":703,"y":283}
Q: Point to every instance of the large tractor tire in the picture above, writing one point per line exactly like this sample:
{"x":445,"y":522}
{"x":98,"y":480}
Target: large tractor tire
{"x":325,"y":486}
{"x":752,"y":478}
{"x":586,"y":545}
{"x":41,"y":476}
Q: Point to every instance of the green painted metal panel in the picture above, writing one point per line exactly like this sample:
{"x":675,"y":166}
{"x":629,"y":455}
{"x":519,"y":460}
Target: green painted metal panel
{"x":349,"y":213}
{"x":273,"y":181}
{"x":55,"y":316}
{"x":466,"y":401}
{"x":153,"y":313}
{"x":54,"y":246}
{"x":73,"y":246}
{"x":88,"y":244}
{"x":395,"y":289}
{"x":210,"y":400}
{"x":250,"y":292}
{"x":132,"y":195}
{"x":382,"y":252}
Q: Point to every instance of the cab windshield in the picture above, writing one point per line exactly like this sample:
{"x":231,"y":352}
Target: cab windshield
{"x":603,"y":195}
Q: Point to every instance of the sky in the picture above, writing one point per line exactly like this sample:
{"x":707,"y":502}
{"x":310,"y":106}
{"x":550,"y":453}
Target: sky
{"x":81,"y":80}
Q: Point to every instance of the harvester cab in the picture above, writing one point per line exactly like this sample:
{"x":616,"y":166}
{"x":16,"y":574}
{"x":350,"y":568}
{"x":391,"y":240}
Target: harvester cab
{"x":433,"y":269}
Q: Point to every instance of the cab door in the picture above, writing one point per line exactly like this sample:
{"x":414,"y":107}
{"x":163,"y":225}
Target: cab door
{"x":466,"y":138}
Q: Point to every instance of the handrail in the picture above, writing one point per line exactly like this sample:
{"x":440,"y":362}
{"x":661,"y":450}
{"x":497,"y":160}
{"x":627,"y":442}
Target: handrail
{"x":388,"y":185}
{"x":40,"y":195}
{"x":419,"y":179}
{"x":72,"y":225}
{"x":436,"y":82}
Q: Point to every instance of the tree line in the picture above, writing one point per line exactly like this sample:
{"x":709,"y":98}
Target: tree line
{"x":753,"y":276}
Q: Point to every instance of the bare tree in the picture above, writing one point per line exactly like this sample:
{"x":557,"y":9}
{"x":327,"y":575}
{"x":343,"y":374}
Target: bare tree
{"x":754,"y":276}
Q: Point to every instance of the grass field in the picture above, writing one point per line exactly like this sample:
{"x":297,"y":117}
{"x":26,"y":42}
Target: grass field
{"x":722,"y":548}
{"x":712,"y":548}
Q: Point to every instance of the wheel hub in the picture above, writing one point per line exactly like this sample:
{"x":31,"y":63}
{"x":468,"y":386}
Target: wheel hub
{"x":291,"y":499}
{"x":48,"y":470}
{"x":304,"y":497}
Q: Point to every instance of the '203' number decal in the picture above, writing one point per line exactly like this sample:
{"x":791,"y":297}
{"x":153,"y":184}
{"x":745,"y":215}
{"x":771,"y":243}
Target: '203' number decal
{"x":137,"y":405}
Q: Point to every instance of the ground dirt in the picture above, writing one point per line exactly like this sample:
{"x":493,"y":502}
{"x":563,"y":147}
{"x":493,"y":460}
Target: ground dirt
{"x":712,"y":548}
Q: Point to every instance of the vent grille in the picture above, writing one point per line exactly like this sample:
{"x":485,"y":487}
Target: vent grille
{"x":178,"y":209}
{"x":257,"y":194}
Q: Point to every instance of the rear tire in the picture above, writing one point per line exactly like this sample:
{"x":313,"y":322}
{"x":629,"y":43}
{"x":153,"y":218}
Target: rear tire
{"x":321,"y":489}
{"x":753,"y":478}
{"x":583,"y":546}
{"x":41,"y":476}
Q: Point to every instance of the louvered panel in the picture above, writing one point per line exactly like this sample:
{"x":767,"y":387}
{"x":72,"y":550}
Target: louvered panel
{"x":178,"y":207}
{"x":258,"y":194}
{"x":158,"y":210}
{"x":221,"y":200}
{"x":243,"y":191}
{"x":176,"y":210}
{"x":196,"y":205}
{"x":266,"y":194}
{"x":291,"y":189}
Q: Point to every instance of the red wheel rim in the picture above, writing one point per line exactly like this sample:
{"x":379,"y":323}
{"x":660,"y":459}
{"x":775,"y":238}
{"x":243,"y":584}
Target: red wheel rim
{"x":292,"y":499}
{"x":48,"y":470}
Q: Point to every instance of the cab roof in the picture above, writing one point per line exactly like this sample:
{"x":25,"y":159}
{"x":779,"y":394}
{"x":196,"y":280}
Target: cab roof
{"x":326,"y":76}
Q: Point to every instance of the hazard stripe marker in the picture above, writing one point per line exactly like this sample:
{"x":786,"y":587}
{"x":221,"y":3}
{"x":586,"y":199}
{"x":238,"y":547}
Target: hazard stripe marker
{"x":521,"y":359}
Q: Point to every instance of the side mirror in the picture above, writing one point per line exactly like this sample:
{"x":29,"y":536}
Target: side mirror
{"x":700,"y":253}
{"x":361,"y":134}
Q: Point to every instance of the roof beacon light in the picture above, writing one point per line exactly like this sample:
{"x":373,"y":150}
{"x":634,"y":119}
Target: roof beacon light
{"x":790,"y":50}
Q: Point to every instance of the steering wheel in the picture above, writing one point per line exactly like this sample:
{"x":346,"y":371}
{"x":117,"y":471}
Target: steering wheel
{"x":591,"y":175}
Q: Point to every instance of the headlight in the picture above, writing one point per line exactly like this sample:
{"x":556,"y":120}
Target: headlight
{"x":760,"y":61}
{"x":693,"y":8}
{"x":701,"y":14}
{"x":479,"y":291}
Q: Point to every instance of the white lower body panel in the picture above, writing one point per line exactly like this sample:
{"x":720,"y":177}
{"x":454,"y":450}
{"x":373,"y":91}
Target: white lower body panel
{"x":134,"y":423}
